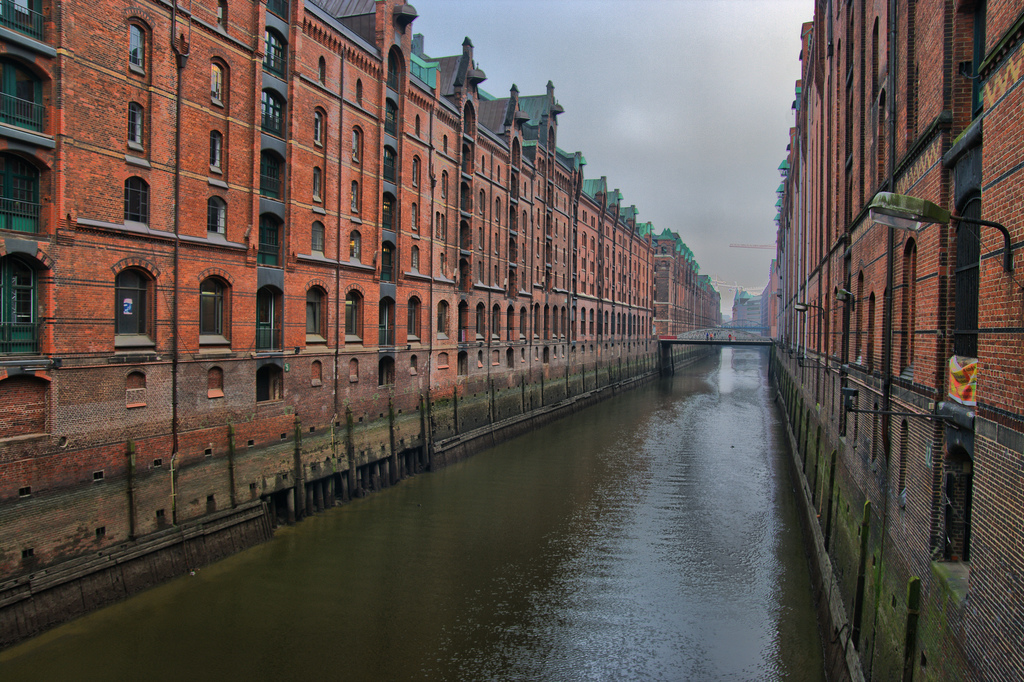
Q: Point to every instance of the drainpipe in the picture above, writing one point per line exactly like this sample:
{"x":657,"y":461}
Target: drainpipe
{"x":181,"y":51}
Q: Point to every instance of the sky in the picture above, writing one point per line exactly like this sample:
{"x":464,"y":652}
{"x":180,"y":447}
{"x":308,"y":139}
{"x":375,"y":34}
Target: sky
{"x":684,"y":105}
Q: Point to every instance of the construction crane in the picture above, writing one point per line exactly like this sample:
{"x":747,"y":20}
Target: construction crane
{"x":753,"y":246}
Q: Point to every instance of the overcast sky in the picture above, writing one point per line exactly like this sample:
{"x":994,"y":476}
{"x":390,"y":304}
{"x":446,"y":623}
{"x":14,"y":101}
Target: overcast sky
{"x":684,"y":105}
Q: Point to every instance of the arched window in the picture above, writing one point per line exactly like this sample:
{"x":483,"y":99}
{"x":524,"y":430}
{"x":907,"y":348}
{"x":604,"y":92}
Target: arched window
{"x":417,"y":125}
{"x":216,"y":83}
{"x":212,"y":308}
{"x":386,"y":322}
{"x":316,"y":373}
{"x":18,"y":328}
{"x":271,"y":175}
{"x":136,"y":200}
{"x":496,"y":322}
{"x":387,"y":262}
{"x":135,"y":389}
{"x":222,"y":13}
{"x":321,"y":71}
{"x":390,"y":164}
{"x":136,"y":121}
{"x":273,"y":113}
{"x":132,"y":290}
{"x":353,"y":317}
{"x":353,"y":370}
{"x":412,"y":328}
{"x":136,"y":47}
{"x":463,"y":364}
{"x":871,"y":332}
{"x":19,"y":195}
{"x":216,"y":215}
{"x":216,"y":150}
{"x":394,"y":71}
{"x":357,"y":144}
{"x":414,"y":259}
{"x":387,"y":213}
{"x":391,"y":117}
{"x":414,"y":217}
{"x":317,"y":237}
{"x":22,"y":96}
{"x":215,"y":383}
{"x":483,"y":204}
{"x":359,"y":92}
{"x":415,"y":171}
{"x":318,"y":128}
{"x":275,"y":54}
{"x":481,"y":320}
{"x":268,"y":383}
{"x":318,"y":184}
{"x":355,"y":245}
{"x":444,"y":184}
{"x":386,"y":371}
{"x":355,"y":197}
{"x":442,"y":319}
{"x":269,"y":240}
{"x":909,"y":303}
{"x":315,"y":318}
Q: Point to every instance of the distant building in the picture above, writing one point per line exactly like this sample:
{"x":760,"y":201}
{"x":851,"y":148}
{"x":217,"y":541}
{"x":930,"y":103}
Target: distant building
{"x":746,"y":310}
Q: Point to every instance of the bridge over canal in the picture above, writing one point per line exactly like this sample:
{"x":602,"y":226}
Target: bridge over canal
{"x":715,"y":336}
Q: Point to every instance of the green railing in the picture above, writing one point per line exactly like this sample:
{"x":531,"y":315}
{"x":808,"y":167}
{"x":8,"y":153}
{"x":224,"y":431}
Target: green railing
{"x":20,"y":112}
{"x":19,"y":216}
{"x":18,"y":16}
{"x":18,"y":338}
{"x":267,"y":338}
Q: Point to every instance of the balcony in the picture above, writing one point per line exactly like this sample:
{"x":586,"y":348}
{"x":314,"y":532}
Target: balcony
{"x":270,"y":186}
{"x":267,"y":337}
{"x":21,"y":113}
{"x":16,"y":15}
{"x":385,"y":335}
{"x":19,"y":338}
{"x":19,"y":216}
{"x":276,"y":63}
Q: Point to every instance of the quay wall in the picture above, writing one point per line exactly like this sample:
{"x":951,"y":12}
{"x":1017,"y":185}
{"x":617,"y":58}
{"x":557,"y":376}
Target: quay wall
{"x":100,"y":542}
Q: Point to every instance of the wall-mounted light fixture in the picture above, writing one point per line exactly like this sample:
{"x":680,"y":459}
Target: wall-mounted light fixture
{"x":911,"y":214}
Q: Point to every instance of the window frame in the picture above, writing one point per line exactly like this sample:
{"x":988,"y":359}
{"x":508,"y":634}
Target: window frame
{"x":216,"y":223}
{"x":136,"y":200}
{"x":136,"y":126}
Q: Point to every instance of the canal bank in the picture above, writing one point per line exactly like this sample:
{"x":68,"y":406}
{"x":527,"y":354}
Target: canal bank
{"x":889,"y":613}
{"x":233,"y":498}
{"x":653,"y":536}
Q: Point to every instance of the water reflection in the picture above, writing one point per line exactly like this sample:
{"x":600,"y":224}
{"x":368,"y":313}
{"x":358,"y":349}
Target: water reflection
{"x":650,"y":538}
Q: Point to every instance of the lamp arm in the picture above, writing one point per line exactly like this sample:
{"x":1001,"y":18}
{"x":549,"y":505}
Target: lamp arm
{"x":1007,"y":253}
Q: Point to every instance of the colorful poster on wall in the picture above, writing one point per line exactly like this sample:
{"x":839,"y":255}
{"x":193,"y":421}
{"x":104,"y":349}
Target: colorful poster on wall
{"x":963,"y":380}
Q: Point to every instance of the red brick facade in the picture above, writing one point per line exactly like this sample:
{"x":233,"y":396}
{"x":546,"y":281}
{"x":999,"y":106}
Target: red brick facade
{"x":918,"y":98}
{"x":239,"y":224}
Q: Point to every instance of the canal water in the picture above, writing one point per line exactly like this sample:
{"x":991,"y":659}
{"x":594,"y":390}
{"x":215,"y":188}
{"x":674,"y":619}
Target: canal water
{"x":652,"y":537}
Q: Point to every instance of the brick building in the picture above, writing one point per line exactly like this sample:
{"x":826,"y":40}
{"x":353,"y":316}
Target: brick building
{"x":232,"y":227}
{"x":918,"y":493}
{"x":683,"y":298}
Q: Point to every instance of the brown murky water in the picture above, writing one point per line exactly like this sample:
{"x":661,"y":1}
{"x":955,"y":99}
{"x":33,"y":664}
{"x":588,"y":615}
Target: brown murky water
{"x":653,"y":537}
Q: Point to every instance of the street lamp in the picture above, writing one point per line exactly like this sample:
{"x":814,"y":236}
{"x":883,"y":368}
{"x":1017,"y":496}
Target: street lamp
{"x":912,"y":214}
{"x":803,"y":307}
